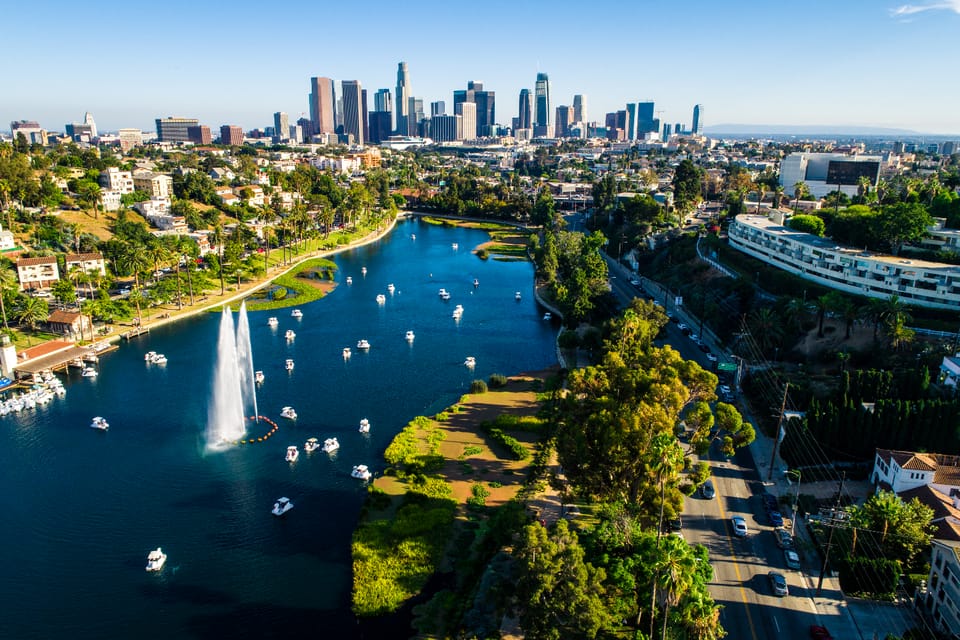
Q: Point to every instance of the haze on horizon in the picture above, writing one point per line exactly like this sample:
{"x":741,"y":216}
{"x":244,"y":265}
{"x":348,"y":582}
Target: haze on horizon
{"x":816,"y":64}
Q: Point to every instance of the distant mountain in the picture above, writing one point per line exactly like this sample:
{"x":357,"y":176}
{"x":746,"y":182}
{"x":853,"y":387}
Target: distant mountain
{"x":808,"y":130}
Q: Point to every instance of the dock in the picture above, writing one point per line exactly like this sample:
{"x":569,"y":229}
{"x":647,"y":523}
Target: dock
{"x":60,"y":359}
{"x":134,"y":333}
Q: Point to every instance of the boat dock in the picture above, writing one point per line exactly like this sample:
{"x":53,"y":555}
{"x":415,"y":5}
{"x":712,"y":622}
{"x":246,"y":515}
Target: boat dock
{"x":134,"y":333}
{"x":61,"y":358}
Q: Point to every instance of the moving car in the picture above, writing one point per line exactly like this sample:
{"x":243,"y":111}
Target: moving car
{"x":778,"y":583}
{"x":707,"y":490}
{"x":791,"y":558}
{"x":739,"y":526}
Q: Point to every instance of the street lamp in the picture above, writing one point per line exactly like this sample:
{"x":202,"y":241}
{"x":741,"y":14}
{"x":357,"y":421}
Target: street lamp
{"x":796,"y":474}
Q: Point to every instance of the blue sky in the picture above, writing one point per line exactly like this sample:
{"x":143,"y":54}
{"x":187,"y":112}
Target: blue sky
{"x":789,"y":62}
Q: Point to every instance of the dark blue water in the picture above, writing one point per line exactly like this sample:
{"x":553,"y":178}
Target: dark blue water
{"x":80,"y":509}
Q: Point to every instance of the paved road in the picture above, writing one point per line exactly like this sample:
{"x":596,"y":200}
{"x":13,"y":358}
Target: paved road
{"x":740,"y":584}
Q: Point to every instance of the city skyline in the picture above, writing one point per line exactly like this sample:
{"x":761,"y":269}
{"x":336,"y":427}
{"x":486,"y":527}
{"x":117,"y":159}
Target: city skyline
{"x":781,"y":67}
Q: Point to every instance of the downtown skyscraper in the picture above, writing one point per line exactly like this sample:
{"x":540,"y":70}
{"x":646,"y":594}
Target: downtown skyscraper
{"x":525,"y":113}
{"x":541,"y":116}
{"x":697,"y":128}
{"x":353,"y":110}
{"x":486,"y":107}
{"x":402,"y":97}
{"x":323,"y":99}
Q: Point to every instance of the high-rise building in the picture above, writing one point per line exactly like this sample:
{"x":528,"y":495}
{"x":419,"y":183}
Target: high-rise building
{"x":630,"y":124}
{"x":199,"y":134}
{"x":541,"y":116}
{"x":678,"y":128}
{"x":352,"y":94}
{"x":563,"y":121}
{"x":383,"y":101}
{"x":666,"y":131}
{"x":281,"y":126}
{"x":579,"y":108}
{"x":380,"y":126}
{"x":415,"y":115}
{"x":402,"y":97}
{"x":697,"y":128}
{"x":175,"y":129}
{"x":84,"y":131}
{"x":525,"y":117}
{"x":646,"y":122}
{"x":486,"y":106}
{"x":231,"y":135}
{"x":438,"y":108}
{"x":445,"y":128}
{"x":468,"y":113}
{"x":364,"y":115}
{"x":323,"y":99}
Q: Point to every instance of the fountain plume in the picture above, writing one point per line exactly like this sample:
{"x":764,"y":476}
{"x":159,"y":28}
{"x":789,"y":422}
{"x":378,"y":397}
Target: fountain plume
{"x":225,"y":416}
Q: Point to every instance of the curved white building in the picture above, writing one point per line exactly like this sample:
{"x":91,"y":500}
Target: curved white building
{"x":916,"y":282}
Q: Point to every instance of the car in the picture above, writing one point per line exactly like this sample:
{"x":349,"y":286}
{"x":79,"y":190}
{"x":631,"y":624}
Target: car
{"x":725,"y":390}
{"x":784,"y":539}
{"x":683,"y":327}
{"x":672,"y":318}
{"x":676,"y":524}
{"x":778,"y":583}
{"x":707,"y":490}
{"x":791,"y":558}
{"x":711,"y":357}
{"x":694,"y":337}
{"x":739,"y":526}
{"x":703,"y":346}
{"x":635,"y":282}
{"x":776,"y":518}
{"x":41,"y":294}
{"x":819,"y":633}
{"x":770,"y":502}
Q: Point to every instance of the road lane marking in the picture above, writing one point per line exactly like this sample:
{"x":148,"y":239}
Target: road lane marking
{"x":776,"y":624}
{"x":736,"y":568}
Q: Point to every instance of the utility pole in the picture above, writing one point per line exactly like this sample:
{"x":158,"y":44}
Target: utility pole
{"x":833,"y":525}
{"x":776,"y":436}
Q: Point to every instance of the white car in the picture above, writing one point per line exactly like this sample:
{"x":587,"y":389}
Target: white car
{"x":739,"y":526}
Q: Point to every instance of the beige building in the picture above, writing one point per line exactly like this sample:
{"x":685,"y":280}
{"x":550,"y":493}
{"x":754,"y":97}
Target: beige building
{"x":37,"y":273}
{"x":86,"y":262}
{"x":156,"y":185}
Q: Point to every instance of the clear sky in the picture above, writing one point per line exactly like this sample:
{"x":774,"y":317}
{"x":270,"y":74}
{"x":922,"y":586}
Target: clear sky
{"x":876,"y":63}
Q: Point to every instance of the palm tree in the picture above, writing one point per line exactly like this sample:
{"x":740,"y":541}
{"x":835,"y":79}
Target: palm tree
{"x":766,"y":327}
{"x":134,"y":258}
{"x":799,"y":190}
{"x":668,"y":461}
{"x":795,"y":309}
{"x":672,"y":578}
{"x":822,"y":306}
{"x":137,"y":298}
{"x":218,"y":240}
{"x":898,"y":333}
{"x":31,"y":312}
{"x":8,"y":282}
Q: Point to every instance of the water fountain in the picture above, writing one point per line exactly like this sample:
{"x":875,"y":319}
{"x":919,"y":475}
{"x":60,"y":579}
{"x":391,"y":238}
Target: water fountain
{"x":232,"y":381}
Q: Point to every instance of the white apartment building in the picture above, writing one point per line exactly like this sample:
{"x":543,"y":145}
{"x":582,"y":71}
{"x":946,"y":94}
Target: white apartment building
{"x":7,"y":241}
{"x":37,"y":273}
{"x":156,"y":185}
{"x":113,"y":179}
{"x":86,"y":262}
{"x":824,"y":172}
{"x":905,"y":470}
{"x":942,"y":600}
{"x":820,"y":260}
{"x":111,"y":200}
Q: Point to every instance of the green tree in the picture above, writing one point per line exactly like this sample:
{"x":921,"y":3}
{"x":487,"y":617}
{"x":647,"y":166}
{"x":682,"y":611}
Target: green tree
{"x":32,"y":311}
{"x":905,"y":528}
{"x":687,"y":179}
{"x":560,"y":595}
{"x":902,"y":223}
{"x":8,"y":283}
{"x":807,"y":224}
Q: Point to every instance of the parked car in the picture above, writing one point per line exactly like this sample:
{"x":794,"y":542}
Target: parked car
{"x":724,"y":389}
{"x":635,"y":282}
{"x":739,"y":526}
{"x":819,"y":633}
{"x":683,"y":327}
{"x":776,"y":519}
{"x":770,"y":502}
{"x":694,"y":337}
{"x":676,"y":524}
{"x":778,"y":583}
{"x":711,"y":357}
{"x":707,"y":490}
{"x":784,"y":539}
{"x":791,"y":558}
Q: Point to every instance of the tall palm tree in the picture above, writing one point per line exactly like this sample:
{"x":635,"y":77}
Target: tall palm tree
{"x":134,"y":258}
{"x":822,"y":306}
{"x":218,"y":239}
{"x":799,"y":190}
{"x":672,"y":578}
{"x":31,"y":312}
{"x":668,"y":461}
{"x":8,"y":282}
{"x":766,"y":327}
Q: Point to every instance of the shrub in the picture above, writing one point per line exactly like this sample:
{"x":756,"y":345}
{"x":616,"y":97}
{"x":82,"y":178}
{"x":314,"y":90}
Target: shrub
{"x":568,"y":340}
{"x":478,"y":386}
{"x":279,"y":293}
{"x":498,"y":380}
{"x":516,"y":449}
{"x":472,"y":451}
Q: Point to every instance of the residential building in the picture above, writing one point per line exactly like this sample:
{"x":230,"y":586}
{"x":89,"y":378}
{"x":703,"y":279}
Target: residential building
{"x":199,"y":134}
{"x":942,"y":599}
{"x":826,"y":172}
{"x":86,"y":262}
{"x":113,"y":179}
{"x":7,"y":241}
{"x":129,"y":139}
{"x":111,"y":200}
{"x":950,"y":371}
{"x":221,"y":174}
{"x":900,"y":471}
{"x":525,"y":117}
{"x":37,"y":273}
{"x":281,"y":126}
{"x":323,"y":100}
{"x":468,"y":120}
{"x":401,"y":98}
{"x":72,"y":324}
{"x":156,"y":185}
{"x":541,"y":115}
{"x":231,"y":135}
{"x":352,"y":110}
{"x":176,"y":129}
{"x":697,"y":128}
{"x":917,"y":282}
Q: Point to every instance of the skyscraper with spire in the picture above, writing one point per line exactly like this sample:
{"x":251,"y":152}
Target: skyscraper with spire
{"x":402,"y":97}
{"x":541,"y":120}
